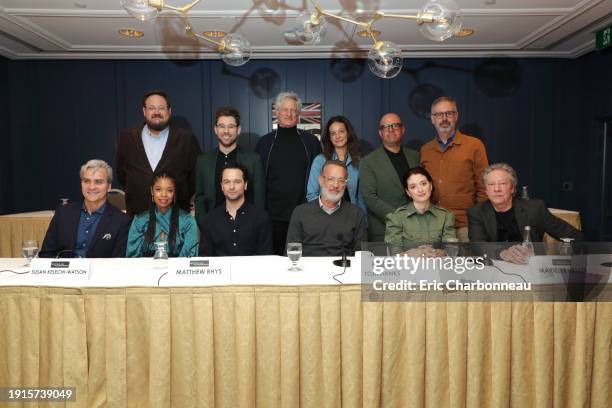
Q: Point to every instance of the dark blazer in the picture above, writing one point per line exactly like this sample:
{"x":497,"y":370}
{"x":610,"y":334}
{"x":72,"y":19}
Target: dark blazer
{"x":381,"y":188}
{"x":62,"y":233}
{"x":135,"y":173}
{"x":483,"y":224}
{"x":206,"y":181}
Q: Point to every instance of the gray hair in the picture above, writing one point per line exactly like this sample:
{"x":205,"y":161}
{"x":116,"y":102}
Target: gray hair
{"x":97,"y":164}
{"x":443,"y":99}
{"x":338,"y":163}
{"x":288,"y":95}
{"x":501,"y":166}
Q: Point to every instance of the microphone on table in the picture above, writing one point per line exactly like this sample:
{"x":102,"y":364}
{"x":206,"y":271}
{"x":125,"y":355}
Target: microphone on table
{"x":343,"y":262}
{"x":63,"y":251}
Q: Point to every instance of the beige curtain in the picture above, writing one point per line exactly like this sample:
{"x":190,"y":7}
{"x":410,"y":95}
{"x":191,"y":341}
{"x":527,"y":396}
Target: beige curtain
{"x":311,"y":346}
{"x":14,"y":230}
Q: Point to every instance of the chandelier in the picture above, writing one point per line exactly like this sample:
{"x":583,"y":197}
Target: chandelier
{"x":233,"y":49}
{"x":437,"y":20}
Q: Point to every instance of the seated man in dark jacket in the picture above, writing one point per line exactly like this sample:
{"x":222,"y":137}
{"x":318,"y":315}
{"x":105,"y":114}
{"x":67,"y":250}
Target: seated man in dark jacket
{"x":92,"y":227}
{"x":503,"y":218}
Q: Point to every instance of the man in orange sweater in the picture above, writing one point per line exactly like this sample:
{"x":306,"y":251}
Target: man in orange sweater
{"x":456,"y":163}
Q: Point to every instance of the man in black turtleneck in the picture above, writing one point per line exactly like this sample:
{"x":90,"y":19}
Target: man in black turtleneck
{"x":286,"y":154}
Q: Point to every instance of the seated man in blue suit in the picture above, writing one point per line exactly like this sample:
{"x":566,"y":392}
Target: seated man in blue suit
{"x":91,"y":228}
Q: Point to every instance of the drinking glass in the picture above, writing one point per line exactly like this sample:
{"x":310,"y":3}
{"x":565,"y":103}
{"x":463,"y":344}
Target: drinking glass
{"x":451,"y":246}
{"x":294,"y":253}
{"x":29,"y":249}
{"x":160,"y":250}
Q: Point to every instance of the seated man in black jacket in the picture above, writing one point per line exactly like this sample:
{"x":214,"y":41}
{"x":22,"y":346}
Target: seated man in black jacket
{"x":92,"y":227}
{"x":503,"y":218}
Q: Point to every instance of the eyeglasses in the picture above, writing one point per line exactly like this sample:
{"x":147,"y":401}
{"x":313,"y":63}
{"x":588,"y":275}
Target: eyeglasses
{"x":332,"y":180}
{"x":228,"y":127}
{"x":390,"y":126}
{"x":447,"y":114}
{"x":153,"y":108}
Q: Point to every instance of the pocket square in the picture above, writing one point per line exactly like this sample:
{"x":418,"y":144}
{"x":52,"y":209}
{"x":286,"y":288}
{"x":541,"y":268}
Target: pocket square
{"x":107,"y":236}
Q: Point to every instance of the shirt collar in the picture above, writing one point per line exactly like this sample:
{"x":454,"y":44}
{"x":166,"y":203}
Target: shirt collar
{"x":450,"y":140}
{"x":329,"y":211}
{"x":347,"y":160}
{"x":99,"y":210}
{"x":163,"y":134}
{"x":230,"y":154}
{"x":165,"y":215}
{"x":411,"y":210}
{"x":242,"y":210}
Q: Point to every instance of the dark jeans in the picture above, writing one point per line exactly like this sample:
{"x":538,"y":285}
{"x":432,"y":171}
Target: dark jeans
{"x":279,"y":237}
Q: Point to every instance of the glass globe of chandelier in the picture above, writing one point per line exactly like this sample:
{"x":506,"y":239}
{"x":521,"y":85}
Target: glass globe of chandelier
{"x":233,"y":49}
{"x":437,"y":20}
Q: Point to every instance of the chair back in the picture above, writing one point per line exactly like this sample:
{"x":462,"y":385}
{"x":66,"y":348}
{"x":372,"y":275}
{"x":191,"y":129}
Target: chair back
{"x":117,"y":198}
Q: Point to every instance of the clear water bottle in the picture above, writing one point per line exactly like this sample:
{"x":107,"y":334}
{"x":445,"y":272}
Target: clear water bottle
{"x":525,"y":193}
{"x":566,"y":247}
{"x":527,"y":244}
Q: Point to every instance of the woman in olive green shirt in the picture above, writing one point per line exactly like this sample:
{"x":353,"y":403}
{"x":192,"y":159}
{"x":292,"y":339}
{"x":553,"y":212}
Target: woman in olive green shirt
{"x":419,"y":224}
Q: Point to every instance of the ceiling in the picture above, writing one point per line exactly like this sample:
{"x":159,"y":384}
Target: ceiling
{"x":88,"y":29}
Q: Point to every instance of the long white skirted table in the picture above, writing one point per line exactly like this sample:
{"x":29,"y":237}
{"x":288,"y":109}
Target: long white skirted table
{"x":270,"y":338}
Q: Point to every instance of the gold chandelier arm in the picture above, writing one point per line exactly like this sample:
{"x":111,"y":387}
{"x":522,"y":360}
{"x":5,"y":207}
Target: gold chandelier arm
{"x":328,"y":14}
{"x":377,"y":43}
{"x":423,"y":18}
{"x":182,"y":9}
{"x":189,"y":30}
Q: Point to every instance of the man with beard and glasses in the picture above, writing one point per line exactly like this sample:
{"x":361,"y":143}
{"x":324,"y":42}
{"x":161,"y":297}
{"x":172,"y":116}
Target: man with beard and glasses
{"x":208,"y":191}
{"x":156,"y":146}
{"x":456,"y":163}
{"x":328,"y":226}
{"x":235,"y":227}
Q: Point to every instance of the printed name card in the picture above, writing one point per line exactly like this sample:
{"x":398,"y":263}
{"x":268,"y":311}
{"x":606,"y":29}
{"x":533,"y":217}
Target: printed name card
{"x":61,"y":270}
{"x":206,"y":271}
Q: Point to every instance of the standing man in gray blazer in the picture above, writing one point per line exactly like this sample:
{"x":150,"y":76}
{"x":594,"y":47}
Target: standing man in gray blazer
{"x":383,"y":175}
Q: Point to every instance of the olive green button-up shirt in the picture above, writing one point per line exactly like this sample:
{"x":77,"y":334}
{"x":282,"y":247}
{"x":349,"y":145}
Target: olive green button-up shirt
{"x":406,"y":227}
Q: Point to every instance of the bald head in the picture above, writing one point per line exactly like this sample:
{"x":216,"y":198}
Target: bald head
{"x":391,"y":131}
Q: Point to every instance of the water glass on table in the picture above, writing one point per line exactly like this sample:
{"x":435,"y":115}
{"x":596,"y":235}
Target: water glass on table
{"x":294,"y":253}
{"x":29,"y":249}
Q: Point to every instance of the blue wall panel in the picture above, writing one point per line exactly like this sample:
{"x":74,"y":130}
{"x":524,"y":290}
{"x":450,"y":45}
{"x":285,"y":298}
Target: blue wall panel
{"x":537,"y":114}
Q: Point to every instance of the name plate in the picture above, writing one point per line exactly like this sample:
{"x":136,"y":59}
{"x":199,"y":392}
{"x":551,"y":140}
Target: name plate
{"x":54,"y":270}
{"x":188,"y":271}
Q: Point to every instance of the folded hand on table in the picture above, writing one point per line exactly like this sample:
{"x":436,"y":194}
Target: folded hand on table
{"x":425,"y":250}
{"x":516,"y":254}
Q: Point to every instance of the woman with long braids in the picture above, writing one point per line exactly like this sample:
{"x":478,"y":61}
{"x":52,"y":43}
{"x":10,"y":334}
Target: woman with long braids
{"x":339,"y":142}
{"x":165,"y":221}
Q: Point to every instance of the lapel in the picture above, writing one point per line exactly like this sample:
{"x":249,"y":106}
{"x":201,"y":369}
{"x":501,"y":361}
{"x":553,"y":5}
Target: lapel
{"x":490,"y":221}
{"x":72,"y":223}
{"x":102,"y":228}
{"x":211,"y":175}
{"x":140,"y":152}
{"x":522,"y":219}
{"x":167,"y":150}
{"x":386,"y":167}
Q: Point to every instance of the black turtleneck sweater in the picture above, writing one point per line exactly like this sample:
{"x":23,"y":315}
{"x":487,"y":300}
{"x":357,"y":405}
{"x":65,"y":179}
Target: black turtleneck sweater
{"x":286,"y":174}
